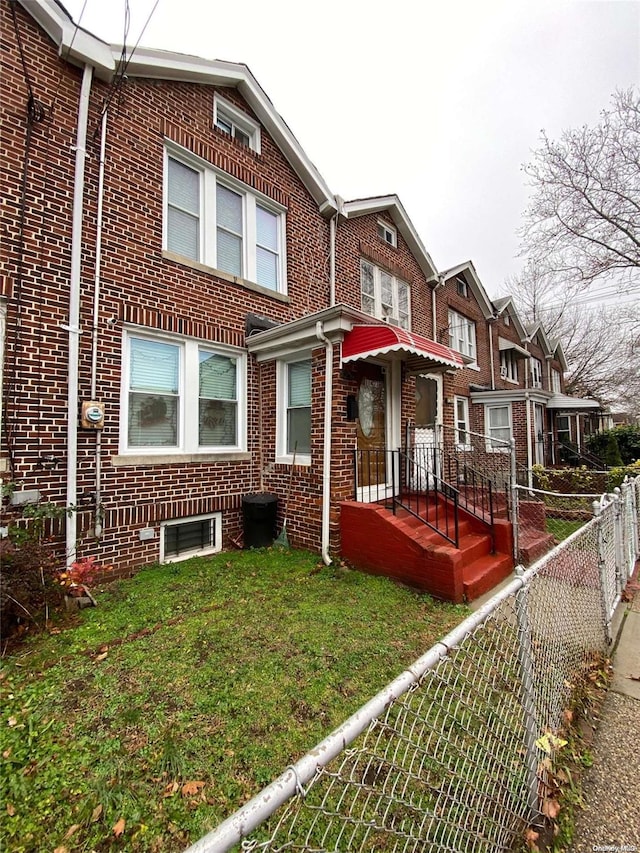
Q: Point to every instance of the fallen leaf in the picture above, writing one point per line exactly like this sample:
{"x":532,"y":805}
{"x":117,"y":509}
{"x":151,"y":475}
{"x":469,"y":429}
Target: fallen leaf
{"x":548,"y":743}
{"x":7,"y":752}
{"x":118,"y":827}
{"x":551,"y":808}
{"x":95,"y":814}
{"x":72,"y":829}
{"x":101,"y":657}
{"x":170,"y":789}
{"x":61,"y":849}
{"x":11,"y":809}
{"x":12,"y":722}
{"x":568,"y":715}
{"x":531,"y":836}
{"x":191,"y":788}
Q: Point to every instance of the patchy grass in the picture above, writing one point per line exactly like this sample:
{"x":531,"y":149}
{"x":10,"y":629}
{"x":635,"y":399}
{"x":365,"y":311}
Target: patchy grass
{"x":188,"y":689}
{"x":561,"y":528}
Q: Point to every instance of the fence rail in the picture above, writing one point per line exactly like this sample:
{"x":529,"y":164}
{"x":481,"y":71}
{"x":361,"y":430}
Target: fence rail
{"x":452,"y":756}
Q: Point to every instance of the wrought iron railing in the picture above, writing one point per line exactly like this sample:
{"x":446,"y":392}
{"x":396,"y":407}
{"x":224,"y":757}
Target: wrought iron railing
{"x":570,"y":454}
{"x":403,"y":482}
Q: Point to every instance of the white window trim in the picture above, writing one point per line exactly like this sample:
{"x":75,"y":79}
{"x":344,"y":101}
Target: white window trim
{"x":283,"y":457}
{"x":377,"y":295}
{"x":467,"y":427}
{"x":511,"y":365}
{"x":216,"y":517}
{"x":188,"y":390}
{"x":390,"y":230}
{"x":556,"y":381}
{"x":238,"y":118}
{"x":489,"y":446}
{"x":210,"y":177}
{"x":536,"y":373}
{"x":453,"y":320}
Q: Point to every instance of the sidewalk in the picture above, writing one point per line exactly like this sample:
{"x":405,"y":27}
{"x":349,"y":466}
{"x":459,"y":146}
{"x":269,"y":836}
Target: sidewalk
{"x":610,"y":819}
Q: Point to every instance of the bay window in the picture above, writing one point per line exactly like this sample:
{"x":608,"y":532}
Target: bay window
{"x":214,"y":220}
{"x":181,"y":396}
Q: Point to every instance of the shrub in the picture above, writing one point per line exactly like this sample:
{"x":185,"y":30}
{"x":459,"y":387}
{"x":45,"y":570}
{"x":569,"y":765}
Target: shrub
{"x":28,"y":584}
{"x":612,"y":452}
{"x":628,"y":441}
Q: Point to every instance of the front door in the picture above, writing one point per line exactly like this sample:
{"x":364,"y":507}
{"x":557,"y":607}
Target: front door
{"x":539,"y":427}
{"x":372,"y":433}
{"x":428,"y":416}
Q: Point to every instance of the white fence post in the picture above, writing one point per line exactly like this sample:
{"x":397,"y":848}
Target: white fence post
{"x":528,"y":696}
{"x":602,"y":572}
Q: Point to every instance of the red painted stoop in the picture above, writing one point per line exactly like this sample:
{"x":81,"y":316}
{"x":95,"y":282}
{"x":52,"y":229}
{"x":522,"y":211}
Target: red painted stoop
{"x":403,"y":547}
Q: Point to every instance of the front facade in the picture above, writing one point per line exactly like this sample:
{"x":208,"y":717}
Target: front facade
{"x":190,"y":317}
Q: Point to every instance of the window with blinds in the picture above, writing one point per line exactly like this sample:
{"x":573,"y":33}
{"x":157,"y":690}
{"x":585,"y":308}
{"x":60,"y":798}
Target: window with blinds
{"x":498,"y":426}
{"x":221,"y":223}
{"x":299,"y":407}
{"x":182,"y":397}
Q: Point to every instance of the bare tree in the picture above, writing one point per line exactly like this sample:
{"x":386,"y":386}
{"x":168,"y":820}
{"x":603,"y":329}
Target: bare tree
{"x":583,"y":220}
{"x":601,"y":342}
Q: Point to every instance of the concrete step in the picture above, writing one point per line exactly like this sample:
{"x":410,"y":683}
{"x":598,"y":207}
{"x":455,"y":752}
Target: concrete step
{"x":484,"y":573}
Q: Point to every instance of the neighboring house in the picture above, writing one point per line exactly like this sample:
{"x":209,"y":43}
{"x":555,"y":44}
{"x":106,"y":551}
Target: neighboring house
{"x":190,"y":317}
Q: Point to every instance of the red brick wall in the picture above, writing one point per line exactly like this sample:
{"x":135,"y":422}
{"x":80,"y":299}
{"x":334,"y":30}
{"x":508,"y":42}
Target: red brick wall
{"x":138,"y":286}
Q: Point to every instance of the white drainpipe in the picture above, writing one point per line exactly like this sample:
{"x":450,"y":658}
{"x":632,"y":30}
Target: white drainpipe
{"x":326,"y":450}
{"x":74,"y":314}
{"x":97,"y":529}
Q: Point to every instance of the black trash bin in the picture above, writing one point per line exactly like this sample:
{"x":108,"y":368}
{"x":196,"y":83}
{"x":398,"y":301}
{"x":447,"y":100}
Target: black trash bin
{"x":259,"y":512}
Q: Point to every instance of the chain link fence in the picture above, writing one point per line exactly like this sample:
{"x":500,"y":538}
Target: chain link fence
{"x":456,"y":753}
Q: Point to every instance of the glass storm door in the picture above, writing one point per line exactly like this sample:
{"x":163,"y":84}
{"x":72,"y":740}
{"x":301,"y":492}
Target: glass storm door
{"x":371,"y":431}
{"x":539,"y":427}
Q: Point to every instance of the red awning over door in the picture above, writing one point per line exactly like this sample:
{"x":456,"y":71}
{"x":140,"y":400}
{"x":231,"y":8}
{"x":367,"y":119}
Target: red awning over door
{"x":420,"y":354}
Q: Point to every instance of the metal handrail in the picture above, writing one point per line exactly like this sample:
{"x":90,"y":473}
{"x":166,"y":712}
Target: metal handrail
{"x":398,"y":480}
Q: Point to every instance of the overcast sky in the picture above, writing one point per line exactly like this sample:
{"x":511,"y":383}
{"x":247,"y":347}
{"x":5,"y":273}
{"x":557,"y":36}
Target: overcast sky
{"x":438,"y":102}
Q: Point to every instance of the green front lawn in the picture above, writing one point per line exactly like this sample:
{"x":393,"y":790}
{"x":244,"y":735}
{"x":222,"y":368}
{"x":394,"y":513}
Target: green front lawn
{"x":189,"y":688}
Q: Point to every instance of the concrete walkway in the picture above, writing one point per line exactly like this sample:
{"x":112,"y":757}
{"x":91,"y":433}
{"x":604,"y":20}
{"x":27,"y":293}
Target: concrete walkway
{"x":610,"y":818}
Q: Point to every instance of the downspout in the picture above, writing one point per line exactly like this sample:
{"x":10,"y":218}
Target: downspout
{"x":493,"y":368}
{"x":326,"y":450}
{"x":529,"y":446}
{"x":332,"y":260}
{"x":434,"y":318}
{"x":73,"y":326}
{"x":97,"y":528}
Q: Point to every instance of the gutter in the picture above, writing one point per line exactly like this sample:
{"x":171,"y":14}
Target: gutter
{"x":326,"y":450}
{"x":73,"y":327}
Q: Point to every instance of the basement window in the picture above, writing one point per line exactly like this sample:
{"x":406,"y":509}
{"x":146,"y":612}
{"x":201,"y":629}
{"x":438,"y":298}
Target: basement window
{"x":190,"y":537}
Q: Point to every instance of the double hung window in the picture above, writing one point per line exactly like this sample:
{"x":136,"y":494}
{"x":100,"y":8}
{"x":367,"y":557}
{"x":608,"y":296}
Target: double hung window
{"x":556,"y":381}
{"x":508,"y":365}
{"x":498,"y":427}
{"x":384,"y":296}
{"x":215,"y":221}
{"x":181,"y":396}
{"x":536,"y":373}
{"x":463,"y":439}
{"x":294,"y":410}
{"x":462,"y":334}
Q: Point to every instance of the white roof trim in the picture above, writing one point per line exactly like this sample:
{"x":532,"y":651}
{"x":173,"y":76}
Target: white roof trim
{"x":476,"y":286}
{"x":81,"y":47}
{"x":393,"y":206}
{"x":564,"y":401}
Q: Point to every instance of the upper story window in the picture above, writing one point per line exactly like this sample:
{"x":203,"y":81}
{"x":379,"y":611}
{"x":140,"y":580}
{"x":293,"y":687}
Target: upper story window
{"x":462,"y":288}
{"x":508,"y":365}
{"x":462,"y":334}
{"x":384,"y":296}
{"x":181,"y":396}
{"x":556,"y":381}
{"x":387,"y":233}
{"x":507,"y":320}
{"x":211,"y":219}
{"x":231,"y":120}
{"x":536,"y":373}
